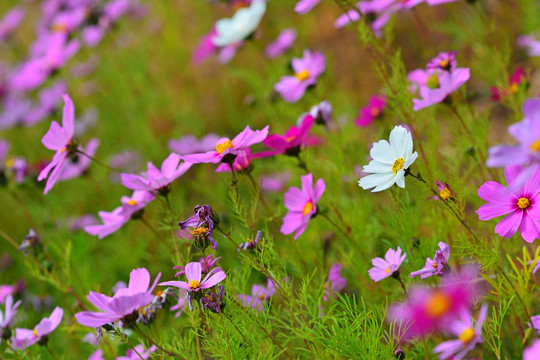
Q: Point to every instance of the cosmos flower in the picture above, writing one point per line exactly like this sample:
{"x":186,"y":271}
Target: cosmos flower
{"x":207,"y":264}
{"x":250,"y":244}
{"x":530,"y":44}
{"x":292,"y":141}
{"x":202,"y":226}
{"x":189,"y":144}
{"x":260,"y":295}
{"x":213,"y":300}
{"x":112,"y":221}
{"x":26,"y":337}
{"x":469,"y":335}
{"x":226,"y":149}
{"x":532,"y":352}
{"x":527,"y":133}
{"x":306,"y":72}
{"x":519,"y":204}
{"x":243,"y":23}
{"x":137,"y":353}
{"x":193,"y":275}
{"x":283,"y":42}
{"x":274,"y":182}
{"x":383,"y":268}
{"x":390,"y":160}
{"x":242,"y":162}
{"x":48,"y":99}
{"x":75,"y":166}
{"x":322,"y":112}
{"x":302,"y":205}
{"x":6,"y":318}
{"x":156,"y":180}
{"x":125,"y":303}
{"x":437,"y":266}
{"x":372,"y":111}
{"x":443,"y":61}
{"x":335,"y":282}
{"x":445,"y":193}
{"x":10,"y":22}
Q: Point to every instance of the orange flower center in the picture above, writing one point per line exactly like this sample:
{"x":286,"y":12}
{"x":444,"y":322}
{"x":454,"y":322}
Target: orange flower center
{"x":438,"y":305}
{"x":445,"y":193}
{"x":467,"y":335}
{"x":194,"y":284}
{"x":535,"y":146}
{"x":375,"y":112}
{"x":302,"y":75}
{"x":307,"y":208}
{"x":35,"y":332}
{"x":199,"y":231}
{"x":220,"y":148}
{"x":444,"y":63}
{"x":132,"y":202}
{"x":523,"y":203}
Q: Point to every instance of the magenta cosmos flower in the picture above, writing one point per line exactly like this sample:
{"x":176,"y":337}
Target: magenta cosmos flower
{"x":372,"y":111}
{"x":291,"y":142}
{"x":527,"y":133}
{"x":26,"y":337}
{"x":520,"y":204}
{"x":302,"y":205}
{"x":226,"y":149}
{"x":154,"y":179}
{"x":125,"y":303}
{"x":335,"y":282}
{"x":429,"y":309}
{"x":112,"y":221}
{"x":306,"y":71}
{"x":193,"y":272}
{"x":260,"y":295}
{"x":283,"y":42}
{"x":60,"y":139}
{"x":437,"y":266}
{"x":532,"y":352}
{"x":383,"y":268}
{"x":468,"y":335}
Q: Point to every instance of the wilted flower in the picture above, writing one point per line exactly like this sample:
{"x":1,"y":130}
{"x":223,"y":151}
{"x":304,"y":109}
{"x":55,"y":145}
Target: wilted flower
{"x":335,"y":282}
{"x":32,"y":241}
{"x":322,"y":112}
{"x":302,"y":205}
{"x":389,"y":266}
{"x":26,"y":337}
{"x":241,"y":25}
{"x":437,"y":266}
{"x":260,"y":295}
{"x":390,"y":160}
{"x":372,"y":111}
{"x":445,"y":193}
{"x":250,"y":244}
{"x":213,"y":300}
{"x":519,"y":202}
{"x":283,"y":43}
{"x":518,"y":78}
{"x":306,"y":72}
{"x":202,"y":224}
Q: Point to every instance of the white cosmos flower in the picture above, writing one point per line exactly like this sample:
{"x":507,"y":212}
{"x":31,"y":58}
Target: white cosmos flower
{"x":241,"y":25}
{"x":390,"y":160}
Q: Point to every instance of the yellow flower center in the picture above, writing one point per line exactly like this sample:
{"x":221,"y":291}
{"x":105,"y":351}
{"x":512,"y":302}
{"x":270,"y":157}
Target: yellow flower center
{"x":62,"y":150}
{"x":194,"y":284}
{"x":432,"y":81}
{"x":58,"y":28}
{"x":438,"y":305}
{"x":132,"y":202}
{"x":35,"y":332}
{"x":302,"y":75}
{"x":523,"y":203}
{"x":535,"y":146}
{"x":445,"y":193}
{"x":159,"y":293}
{"x":290,"y":138}
{"x":199,"y":231}
{"x":398,"y":165}
{"x":10,"y":163}
{"x":435,"y":266}
{"x":261,"y":296}
{"x":513,"y":88}
{"x":467,"y":335}
{"x":220,"y":148}
{"x":444,"y":63}
{"x":307,"y":208}
{"x":388,"y":270}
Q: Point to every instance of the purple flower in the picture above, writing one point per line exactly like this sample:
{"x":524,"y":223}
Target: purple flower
{"x":189,"y":144}
{"x":137,"y":353}
{"x":125,"y":303}
{"x":283,"y":42}
{"x":302,"y":205}
{"x":260,"y":295}
{"x":469,"y":335}
{"x":112,"y":221}
{"x":535,"y":323}
{"x":204,"y":48}
{"x":437,"y":266}
{"x":322,"y":113}
{"x":335,"y":282}
{"x":443,"y":61}
{"x":519,"y":202}
{"x":251,"y":244}
{"x":527,"y":133}
{"x":5,"y":291}
{"x":76,"y":223}
{"x":202,"y":224}
{"x":530,"y":44}
{"x":306,"y":71}
{"x":372,"y":111}
{"x":15,"y":110}
{"x":10,"y":311}
{"x":383,"y":268}
{"x":193,"y":275}
{"x":226,"y":149}
{"x":154,"y":179}
{"x":10,"y":22}
{"x":438,"y":2}
{"x":206,"y":265}
{"x":303,"y":6}
{"x":213,"y":301}
{"x":275,"y":182}
{"x":59,"y":139}
{"x":26,"y":337}
{"x":532,"y":352}
{"x":76,"y":166}
{"x":181,"y":304}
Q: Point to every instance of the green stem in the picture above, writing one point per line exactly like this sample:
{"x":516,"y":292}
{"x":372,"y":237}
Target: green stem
{"x":96,"y":161}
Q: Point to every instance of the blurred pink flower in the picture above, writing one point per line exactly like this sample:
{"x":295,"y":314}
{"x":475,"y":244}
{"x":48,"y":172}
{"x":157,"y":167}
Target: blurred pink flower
{"x":283,"y":42}
{"x":26,"y":337}
{"x":372,"y":111}
{"x":383,"y":268}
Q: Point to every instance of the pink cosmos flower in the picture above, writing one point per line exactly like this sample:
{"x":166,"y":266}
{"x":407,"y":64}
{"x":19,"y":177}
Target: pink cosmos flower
{"x":5,"y":291}
{"x":527,"y":133}
{"x":59,"y":139}
{"x":6,"y":318}
{"x":383,"y":268}
{"x":303,"y":6}
{"x":260,"y":295}
{"x":283,"y":42}
{"x":469,"y":335}
{"x":429,"y":309}
{"x":335,"y":282}
{"x":193,"y":274}
{"x":438,"y":265}
{"x":125,"y":303}
{"x":532,"y":352}
{"x":291,"y":142}
{"x":530,"y":43}
{"x":274,"y":182}
{"x":443,"y":61}
{"x":137,"y":353}
{"x":189,"y":144}
{"x":306,"y":71}
{"x":154,"y":179}
{"x":520,"y":204}
{"x":10,"y":22}
{"x":112,"y":221}
{"x":206,"y":265}
{"x":518,"y":78}
{"x":181,"y":304}
{"x":372,"y":111}
{"x":226,"y":149}
{"x":26,"y":337}
{"x":302,"y":205}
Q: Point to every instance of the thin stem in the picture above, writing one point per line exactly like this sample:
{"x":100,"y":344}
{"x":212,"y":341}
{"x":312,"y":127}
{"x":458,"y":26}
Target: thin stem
{"x":51,"y":352}
{"x":261,"y":198}
{"x":398,"y":278}
{"x":96,"y":161}
{"x":9,"y":239}
{"x":158,"y":235}
{"x":156,"y":344}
